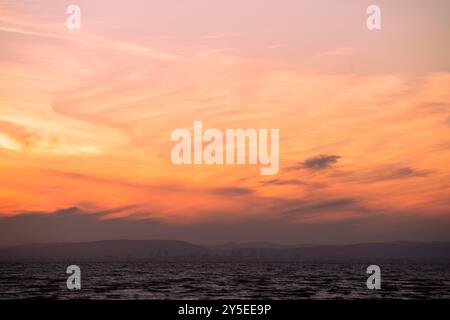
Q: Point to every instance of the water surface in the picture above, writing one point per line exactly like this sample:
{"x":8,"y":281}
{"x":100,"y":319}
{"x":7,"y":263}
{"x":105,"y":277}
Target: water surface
{"x":159,"y":280}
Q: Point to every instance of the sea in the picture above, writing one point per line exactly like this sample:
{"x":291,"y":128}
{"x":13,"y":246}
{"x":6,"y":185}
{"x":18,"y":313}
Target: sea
{"x":233,"y":280}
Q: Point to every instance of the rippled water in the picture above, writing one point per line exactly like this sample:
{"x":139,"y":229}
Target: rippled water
{"x":135,"y":280}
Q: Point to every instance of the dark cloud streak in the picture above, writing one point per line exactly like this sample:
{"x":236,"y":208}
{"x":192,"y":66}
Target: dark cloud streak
{"x":232,"y":191}
{"x":319,"y":162}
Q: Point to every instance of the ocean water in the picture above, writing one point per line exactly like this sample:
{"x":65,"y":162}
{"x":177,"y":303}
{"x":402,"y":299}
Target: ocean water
{"x":159,"y":280}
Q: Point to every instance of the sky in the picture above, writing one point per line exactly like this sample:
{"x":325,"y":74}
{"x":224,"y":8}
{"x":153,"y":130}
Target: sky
{"x":86,"y":118}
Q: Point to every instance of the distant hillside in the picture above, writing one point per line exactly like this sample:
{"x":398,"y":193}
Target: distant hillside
{"x":102,"y":250}
{"x":169,"y":250}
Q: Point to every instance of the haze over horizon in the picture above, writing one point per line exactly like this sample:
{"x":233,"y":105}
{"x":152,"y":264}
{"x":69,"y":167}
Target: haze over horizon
{"x":86,"y":117}
{"x":72,"y":225}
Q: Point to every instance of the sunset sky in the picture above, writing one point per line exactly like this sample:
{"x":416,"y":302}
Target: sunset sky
{"x":86,"y":117}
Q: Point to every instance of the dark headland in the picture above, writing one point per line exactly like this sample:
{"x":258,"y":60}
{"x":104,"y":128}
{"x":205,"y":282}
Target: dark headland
{"x":172,"y":250}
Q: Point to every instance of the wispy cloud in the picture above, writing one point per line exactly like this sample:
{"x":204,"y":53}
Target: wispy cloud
{"x":86,"y":117}
{"x":319,"y":162}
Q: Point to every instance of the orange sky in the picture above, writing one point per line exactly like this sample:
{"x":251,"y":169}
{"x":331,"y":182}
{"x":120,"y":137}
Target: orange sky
{"x":364,"y":117}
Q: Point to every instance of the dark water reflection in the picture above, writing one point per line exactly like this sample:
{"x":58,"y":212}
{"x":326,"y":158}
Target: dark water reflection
{"x":141,"y":280}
